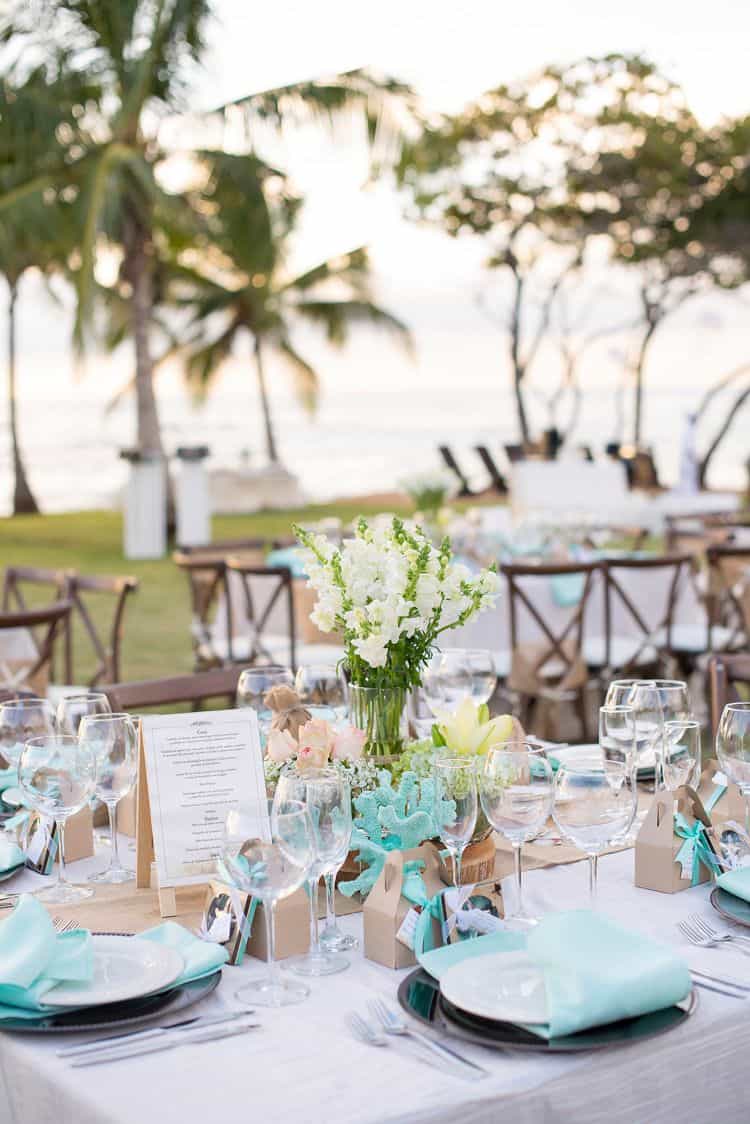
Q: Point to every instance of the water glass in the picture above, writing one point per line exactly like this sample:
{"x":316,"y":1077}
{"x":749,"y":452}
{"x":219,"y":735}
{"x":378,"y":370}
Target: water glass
{"x":654,"y":701}
{"x":326,"y":795}
{"x":56,"y":775}
{"x":269,"y":869}
{"x":682,"y":752}
{"x":457,"y":674}
{"x":516,"y":791}
{"x":323,"y":684}
{"x":112,"y":739}
{"x":617,"y":737}
{"x":594,"y":807}
{"x":72,"y":709}
{"x":253,"y":685}
{"x":21,"y":720}
{"x":456,"y":806}
{"x":733,"y":749}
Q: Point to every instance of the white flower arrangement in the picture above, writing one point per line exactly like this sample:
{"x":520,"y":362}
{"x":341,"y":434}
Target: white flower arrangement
{"x":390,"y":594}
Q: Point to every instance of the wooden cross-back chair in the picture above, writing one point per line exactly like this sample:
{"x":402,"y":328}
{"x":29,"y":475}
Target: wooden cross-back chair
{"x":268,"y":595}
{"x":648,"y":641}
{"x":83,"y":591}
{"x":27,"y":587}
{"x":43,"y":625}
{"x":728,"y":681}
{"x":205,"y":686}
{"x":206,"y":577}
{"x":548,"y":665}
{"x":728,"y":596}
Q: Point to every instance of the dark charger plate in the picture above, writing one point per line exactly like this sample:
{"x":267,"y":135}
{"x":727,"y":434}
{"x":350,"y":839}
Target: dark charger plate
{"x":734,"y":909}
{"x":113,"y":1016}
{"x":419,"y":995}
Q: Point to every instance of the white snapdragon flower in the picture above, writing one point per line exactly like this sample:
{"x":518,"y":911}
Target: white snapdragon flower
{"x":372,"y":649}
{"x":428,"y":594}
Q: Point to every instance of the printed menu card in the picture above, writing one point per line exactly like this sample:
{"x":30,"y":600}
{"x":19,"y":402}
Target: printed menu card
{"x":199,"y":767}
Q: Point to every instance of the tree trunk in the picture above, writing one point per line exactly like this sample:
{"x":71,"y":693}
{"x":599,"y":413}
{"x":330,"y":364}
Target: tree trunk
{"x":721,"y":433}
{"x":138,"y":271}
{"x":24,"y":502}
{"x":639,"y":366}
{"x":518,"y":368}
{"x":271,"y":451}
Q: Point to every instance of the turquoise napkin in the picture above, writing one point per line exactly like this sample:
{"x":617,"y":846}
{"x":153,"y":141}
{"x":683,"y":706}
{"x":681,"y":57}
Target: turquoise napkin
{"x":11,"y":855}
{"x":289,"y":556}
{"x":567,"y":589}
{"x":594,"y":971}
{"x":736,"y":882}
{"x":8,"y":778}
{"x":202,"y":958}
{"x":33,"y":958}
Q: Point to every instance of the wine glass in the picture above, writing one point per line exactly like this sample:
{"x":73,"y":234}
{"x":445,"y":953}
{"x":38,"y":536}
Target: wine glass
{"x":456,"y":674}
{"x":56,"y":774}
{"x":325,"y":794}
{"x":254,"y":683}
{"x":594,"y":806}
{"x":323,"y":684}
{"x":482,"y":674}
{"x":455,"y":806}
{"x":112,"y":739}
{"x":20,"y":720}
{"x":72,"y":709}
{"x":617,"y":739}
{"x":654,"y":701}
{"x":733,"y":749}
{"x":682,"y":752}
{"x":515,"y":788}
{"x":269,"y":869}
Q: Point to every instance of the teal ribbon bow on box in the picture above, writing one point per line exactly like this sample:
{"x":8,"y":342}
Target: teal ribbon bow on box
{"x":695,"y":851}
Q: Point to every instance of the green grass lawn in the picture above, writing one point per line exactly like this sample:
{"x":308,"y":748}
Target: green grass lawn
{"x":157,"y":618}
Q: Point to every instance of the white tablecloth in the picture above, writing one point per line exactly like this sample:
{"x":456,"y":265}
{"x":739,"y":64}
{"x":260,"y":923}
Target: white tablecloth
{"x":303,"y":1067}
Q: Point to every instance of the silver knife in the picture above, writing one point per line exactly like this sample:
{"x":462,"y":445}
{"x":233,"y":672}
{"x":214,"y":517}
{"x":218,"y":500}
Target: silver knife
{"x":153,"y":1046}
{"x":114,"y":1040}
{"x":719,"y":990}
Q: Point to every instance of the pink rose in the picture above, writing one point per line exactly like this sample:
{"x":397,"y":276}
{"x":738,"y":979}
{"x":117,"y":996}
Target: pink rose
{"x":349,"y":744}
{"x":311,"y":757}
{"x":281,"y":746}
{"x":317,"y":734}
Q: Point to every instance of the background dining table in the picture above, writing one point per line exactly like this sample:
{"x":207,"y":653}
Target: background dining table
{"x":302,"y":1065}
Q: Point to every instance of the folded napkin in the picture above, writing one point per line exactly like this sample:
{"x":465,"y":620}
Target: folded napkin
{"x":202,"y":958}
{"x":567,"y":589}
{"x":33,"y":958}
{"x":8,"y":778}
{"x":736,"y":882}
{"x":11,"y":855}
{"x":594,"y":972}
{"x":289,"y":556}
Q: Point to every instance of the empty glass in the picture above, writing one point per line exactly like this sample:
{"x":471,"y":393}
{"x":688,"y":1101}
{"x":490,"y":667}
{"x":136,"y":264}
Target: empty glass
{"x":112,"y":739}
{"x":323,"y":684}
{"x":654,"y":701}
{"x":516,"y":791}
{"x":455,"y":806}
{"x":270,"y":869}
{"x":594,"y":806}
{"x":72,"y":709}
{"x":456,"y":674}
{"x":617,"y":739}
{"x":254,"y":683}
{"x":325,"y":794}
{"x":682,"y":752}
{"x":56,"y":774}
{"x":733,"y":749}
{"x":21,"y":720}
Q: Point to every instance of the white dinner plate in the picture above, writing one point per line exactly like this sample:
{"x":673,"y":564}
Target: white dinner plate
{"x":506,"y":986}
{"x":13,"y":797}
{"x":124,"y":968}
{"x":578,"y":754}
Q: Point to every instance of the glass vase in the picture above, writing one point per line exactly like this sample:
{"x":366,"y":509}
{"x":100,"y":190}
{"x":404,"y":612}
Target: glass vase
{"x":381,"y":713}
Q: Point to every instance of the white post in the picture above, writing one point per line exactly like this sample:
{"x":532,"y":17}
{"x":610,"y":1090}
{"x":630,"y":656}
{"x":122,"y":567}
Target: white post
{"x":145,"y":516}
{"x":192,"y":496}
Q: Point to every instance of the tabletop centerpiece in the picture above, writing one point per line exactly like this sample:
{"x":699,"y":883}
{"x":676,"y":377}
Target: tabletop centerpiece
{"x":390,"y":594}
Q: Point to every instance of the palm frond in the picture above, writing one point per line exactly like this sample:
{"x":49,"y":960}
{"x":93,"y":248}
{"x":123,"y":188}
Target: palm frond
{"x":305,"y":379}
{"x":336,"y":317}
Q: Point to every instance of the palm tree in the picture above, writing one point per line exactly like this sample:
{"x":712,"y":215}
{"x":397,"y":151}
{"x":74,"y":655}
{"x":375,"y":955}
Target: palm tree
{"x":238,"y":283}
{"x":133,"y":60}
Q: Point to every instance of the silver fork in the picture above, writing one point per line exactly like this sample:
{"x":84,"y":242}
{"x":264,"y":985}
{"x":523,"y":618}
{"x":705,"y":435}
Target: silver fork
{"x":393,"y":1024}
{"x":701,"y":934}
{"x":364,"y":1031}
{"x":62,"y":926}
{"x":713,"y":934}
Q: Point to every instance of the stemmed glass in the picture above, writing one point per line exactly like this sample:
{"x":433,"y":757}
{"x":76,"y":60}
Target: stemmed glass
{"x":459,"y":673}
{"x":515,"y":788}
{"x":595,"y":804}
{"x":56,"y":774}
{"x":269,"y":869}
{"x":455,"y":806}
{"x":112,"y":739}
{"x":254,"y":683}
{"x":682,"y":752}
{"x":654,"y":701}
{"x":733,"y":749}
{"x":20,"y":720}
{"x":617,"y":738}
{"x":323,"y":684}
{"x":325,"y":794}
{"x":72,"y":709}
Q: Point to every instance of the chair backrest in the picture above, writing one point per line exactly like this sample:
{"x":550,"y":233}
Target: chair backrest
{"x":39,"y":628}
{"x":219,"y":683}
{"x":548,"y":604}
{"x":206,"y":577}
{"x":499,"y":483}
{"x":85,"y":593}
{"x":729,"y":590}
{"x":451,"y":463}
{"x":267,"y":608}
{"x":27,"y":587}
{"x":726,"y":675}
{"x":640,"y":598}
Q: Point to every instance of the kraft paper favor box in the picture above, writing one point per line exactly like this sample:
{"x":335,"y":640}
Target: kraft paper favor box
{"x":384,"y":910}
{"x":731,"y":806}
{"x":291,"y":931}
{"x":657,"y":844}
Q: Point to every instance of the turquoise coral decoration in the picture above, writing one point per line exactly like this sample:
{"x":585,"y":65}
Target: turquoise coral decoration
{"x":392,"y":819}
